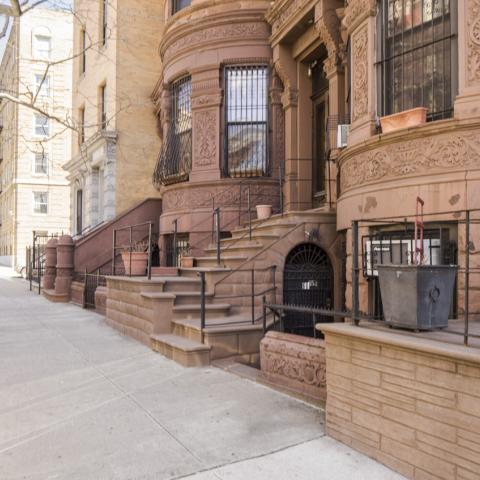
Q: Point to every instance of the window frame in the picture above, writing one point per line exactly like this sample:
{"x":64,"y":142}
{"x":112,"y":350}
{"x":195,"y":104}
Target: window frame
{"x":176,"y":6}
{"x":383,"y":99}
{"x":266,"y":151}
{"x":39,"y":54}
{"x":41,"y":135}
{"x":83,"y":46}
{"x":103,"y":107}
{"x":40,"y":203}
{"x":45,"y":157}
{"x":104,"y":21}
{"x":38,"y":90}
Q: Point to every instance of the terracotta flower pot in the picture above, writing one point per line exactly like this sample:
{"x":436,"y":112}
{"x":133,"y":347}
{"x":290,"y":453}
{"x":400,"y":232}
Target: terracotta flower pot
{"x":137,"y":261}
{"x":188,"y":262}
{"x":408,"y":118}
{"x":264,"y":212}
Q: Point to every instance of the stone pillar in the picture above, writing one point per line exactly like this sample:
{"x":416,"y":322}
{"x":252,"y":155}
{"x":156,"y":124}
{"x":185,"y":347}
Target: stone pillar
{"x":360,"y":23}
{"x":206,"y":111}
{"x":50,"y":264}
{"x":467,"y":103}
{"x":65,"y":266}
{"x":277,"y":139}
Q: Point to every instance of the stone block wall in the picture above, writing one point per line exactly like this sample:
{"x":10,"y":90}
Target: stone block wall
{"x":412,"y":404}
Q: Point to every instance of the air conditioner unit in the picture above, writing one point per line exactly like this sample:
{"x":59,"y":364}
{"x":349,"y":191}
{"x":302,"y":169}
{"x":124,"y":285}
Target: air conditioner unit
{"x":398,"y":252}
{"x":342,"y":135}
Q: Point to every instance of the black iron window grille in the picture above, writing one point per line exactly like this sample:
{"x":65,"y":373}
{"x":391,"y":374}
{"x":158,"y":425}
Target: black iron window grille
{"x":418,"y":52}
{"x":246,"y":121}
{"x":175,"y":160}
{"x":178,"y":5}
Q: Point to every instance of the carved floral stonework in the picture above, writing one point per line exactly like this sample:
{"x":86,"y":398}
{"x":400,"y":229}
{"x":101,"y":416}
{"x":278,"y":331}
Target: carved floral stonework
{"x":202,"y":196}
{"x":357,"y":11}
{"x":360,"y":73}
{"x":205,"y":142}
{"x":222,"y":32}
{"x":416,"y":157}
{"x":295,"y":361}
{"x":279,"y":17}
{"x":473,"y":26}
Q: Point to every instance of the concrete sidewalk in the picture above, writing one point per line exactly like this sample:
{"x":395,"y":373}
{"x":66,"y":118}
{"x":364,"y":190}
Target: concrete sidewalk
{"x":80,"y":401}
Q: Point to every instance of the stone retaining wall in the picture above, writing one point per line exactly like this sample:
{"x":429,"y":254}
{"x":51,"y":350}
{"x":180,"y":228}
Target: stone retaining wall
{"x":412,"y":404}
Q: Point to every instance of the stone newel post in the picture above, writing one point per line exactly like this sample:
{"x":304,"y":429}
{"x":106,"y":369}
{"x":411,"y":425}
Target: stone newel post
{"x":50,"y":264}
{"x":65,"y":266}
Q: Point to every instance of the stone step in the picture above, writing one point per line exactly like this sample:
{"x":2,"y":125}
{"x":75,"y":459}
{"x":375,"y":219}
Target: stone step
{"x":194,"y":310}
{"x":230,"y":261}
{"x":193,"y":272}
{"x":276,"y":229}
{"x":164,"y":271}
{"x":241,"y":248}
{"x":188,"y":298}
{"x":181,"y":284}
{"x":184,"y":351}
{"x":257,"y":237}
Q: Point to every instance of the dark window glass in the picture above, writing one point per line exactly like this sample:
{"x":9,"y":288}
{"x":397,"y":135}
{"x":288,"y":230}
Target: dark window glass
{"x":103,"y":107}
{"x":416,"y":56}
{"x":178,"y":5}
{"x":175,"y":158}
{"x":246,"y":118}
{"x":79,"y":211}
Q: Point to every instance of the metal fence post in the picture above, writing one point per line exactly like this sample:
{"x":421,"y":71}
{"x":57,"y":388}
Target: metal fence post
{"x":355,"y":272}
{"x":217,"y":234}
{"x":131,"y":251}
{"x":85,"y":287}
{"x":39,"y":273}
{"x":253,"y":295}
{"x":280,"y":184}
{"x":264,"y":314}
{"x":467,"y":275}
{"x":175,"y":231}
{"x":249,"y":202}
{"x":149,"y":264}
{"x":274,"y":267}
{"x":113,"y":251}
{"x":202,"y":304}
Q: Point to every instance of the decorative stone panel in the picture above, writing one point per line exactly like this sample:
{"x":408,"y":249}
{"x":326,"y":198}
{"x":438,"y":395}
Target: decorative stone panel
{"x":418,"y":156}
{"x":294,"y":362}
{"x":360,"y":73}
{"x":473,"y":35}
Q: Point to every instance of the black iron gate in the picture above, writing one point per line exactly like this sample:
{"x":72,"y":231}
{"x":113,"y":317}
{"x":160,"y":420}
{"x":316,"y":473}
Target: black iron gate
{"x":307,"y":282}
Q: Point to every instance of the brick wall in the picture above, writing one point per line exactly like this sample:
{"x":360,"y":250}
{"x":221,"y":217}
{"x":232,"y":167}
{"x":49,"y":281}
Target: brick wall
{"x":412,"y":404}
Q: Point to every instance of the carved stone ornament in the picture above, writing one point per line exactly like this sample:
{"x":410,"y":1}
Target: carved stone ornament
{"x":357,"y":11}
{"x":221,"y":32}
{"x":360,"y":73}
{"x":301,"y":363}
{"x":416,"y":157}
{"x":205,"y":131}
{"x":473,"y":28}
{"x":201,"y":196}
{"x":280,"y":16}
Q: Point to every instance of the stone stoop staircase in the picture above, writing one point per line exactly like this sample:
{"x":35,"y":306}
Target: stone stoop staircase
{"x":164,"y":313}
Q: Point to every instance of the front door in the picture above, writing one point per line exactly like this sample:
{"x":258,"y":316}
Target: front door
{"x":307,"y":282}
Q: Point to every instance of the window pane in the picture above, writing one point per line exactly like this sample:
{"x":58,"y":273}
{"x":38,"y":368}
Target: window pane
{"x":42,"y":47}
{"x":42,"y":125}
{"x":40,"y":202}
{"x":416,"y":69}
{"x":42,"y":86}
{"x":41,"y":163}
{"x":246,"y":117}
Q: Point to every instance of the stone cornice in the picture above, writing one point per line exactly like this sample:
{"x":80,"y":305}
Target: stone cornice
{"x":224,"y":27}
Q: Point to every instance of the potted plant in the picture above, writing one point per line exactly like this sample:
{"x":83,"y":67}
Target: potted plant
{"x":186,"y":259}
{"x":264,"y":212}
{"x":135,"y":258}
{"x":417,"y":297}
{"x":406,"y":119}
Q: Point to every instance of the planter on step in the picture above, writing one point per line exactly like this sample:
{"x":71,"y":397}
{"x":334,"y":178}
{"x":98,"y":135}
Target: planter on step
{"x":406,"y":119}
{"x":417,"y":297}
{"x":264,"y":212}
{"x":188,"y":262}
{"x":135,"y":263}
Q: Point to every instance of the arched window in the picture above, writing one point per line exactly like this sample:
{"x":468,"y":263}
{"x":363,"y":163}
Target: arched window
{"x":417,"y":64}
{"x":178,"y":5}
{"x":42,"y":43}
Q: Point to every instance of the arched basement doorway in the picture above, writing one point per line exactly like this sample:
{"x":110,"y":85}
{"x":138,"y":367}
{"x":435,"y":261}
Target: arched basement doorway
{"x":307,"y":282}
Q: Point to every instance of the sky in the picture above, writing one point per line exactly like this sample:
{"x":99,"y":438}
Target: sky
{"x":51,"y":3}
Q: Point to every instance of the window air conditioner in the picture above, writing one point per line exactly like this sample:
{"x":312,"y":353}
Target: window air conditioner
{"x":342,"y":135}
